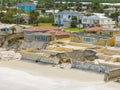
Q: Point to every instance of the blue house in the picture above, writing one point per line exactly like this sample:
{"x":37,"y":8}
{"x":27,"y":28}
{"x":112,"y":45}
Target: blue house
{"x":27,"y":6}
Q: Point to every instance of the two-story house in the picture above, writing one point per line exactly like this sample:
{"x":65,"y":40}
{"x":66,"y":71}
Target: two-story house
{"x":64,"y":18}
{"x":44,"y":33}
{"x":38,"y":37}
{"x":98,"y":19}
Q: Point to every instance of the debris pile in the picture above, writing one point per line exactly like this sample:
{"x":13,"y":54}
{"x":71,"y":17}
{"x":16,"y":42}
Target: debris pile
{"x":80,"y":55}
{"x":9,"y":55}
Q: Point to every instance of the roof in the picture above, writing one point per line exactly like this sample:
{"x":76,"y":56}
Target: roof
{"x":40,"y":33}
{"x":48,"y":30}
{"x":52,"y":11}
{"x":96,"y":28}
{"x":110,"y":9}
{"x":111,"y":4}
{"x":97,"y":16}
{"x":59,"y":33}
{"x":90,"y":35}
{"x":6,"y":25}
{"x":26,"y":4}
{"x":42,"y":28}
{"x":69,"y":12}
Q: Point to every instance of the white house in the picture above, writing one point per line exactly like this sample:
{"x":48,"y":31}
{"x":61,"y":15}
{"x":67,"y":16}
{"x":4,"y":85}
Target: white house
{"x":64,"y":18}
{"x":6,"y":28}
{"x":51,"y":11}
{"x":111,"y":10}
{"x":98,"y":19}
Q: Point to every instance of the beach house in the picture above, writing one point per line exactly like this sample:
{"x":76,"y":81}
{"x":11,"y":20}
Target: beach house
{"x":27,"y":6}
{"x":64,"y":18}
{"x":44,"y":33}
{"x":98,"y":19}
{"x":96,"y":36}
{"x":8,"y":28}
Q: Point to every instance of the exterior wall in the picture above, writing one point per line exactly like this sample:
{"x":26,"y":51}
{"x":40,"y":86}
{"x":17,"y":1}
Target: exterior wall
{"x":91,"y":66}
{"x":2,"y":39}
{"x":5,"y":30}
{"x":106,"y":23}
{"x":38,"y":57}
{"x":98,"y":41}
{"x":101,"y":42}
{"x":94,"y":41}
{"x":28,"y":36}
{"x":62,"y":36}
{"x":117,"y":41}
{"x":110,"y":33}
{"x":111,"y":42}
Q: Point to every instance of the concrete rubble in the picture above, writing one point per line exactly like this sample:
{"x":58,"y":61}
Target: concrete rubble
{"x":9,"y":55}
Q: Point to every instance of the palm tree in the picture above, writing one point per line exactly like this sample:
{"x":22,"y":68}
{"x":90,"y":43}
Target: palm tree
{"x":13,"y":29}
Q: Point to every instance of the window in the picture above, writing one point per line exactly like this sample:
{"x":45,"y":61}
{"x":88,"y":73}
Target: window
{"x":44,"y":38}
{"x":5,"y":30}
{"x":69,"y":16}
{"x":88,"y":40}
{"x":28,"y":32}
{"x":111,"y":33}
{"x":37,"y":37}
{"x":84,"y":20}
{"x":100,"y":33}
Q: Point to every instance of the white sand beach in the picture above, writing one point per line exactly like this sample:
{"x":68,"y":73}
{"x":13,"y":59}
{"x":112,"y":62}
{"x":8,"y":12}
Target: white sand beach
{"x":22,"y":75}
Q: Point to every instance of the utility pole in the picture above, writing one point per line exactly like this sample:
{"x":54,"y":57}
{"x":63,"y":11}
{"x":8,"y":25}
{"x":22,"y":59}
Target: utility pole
{"x":17,"y":14}
{"x":54,"y":9}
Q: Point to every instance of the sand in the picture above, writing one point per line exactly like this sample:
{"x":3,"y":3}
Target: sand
{"x":24,"y":75}
{"x":48,"y":70}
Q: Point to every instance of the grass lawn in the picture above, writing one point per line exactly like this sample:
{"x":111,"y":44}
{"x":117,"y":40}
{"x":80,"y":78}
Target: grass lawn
{"x":45,"y":24}
{"x":42,"y":24}
{"x":73,"y":29}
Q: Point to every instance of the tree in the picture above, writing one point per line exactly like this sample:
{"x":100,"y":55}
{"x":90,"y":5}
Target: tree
{"x":115,"y":16}
{"x":13,"y":29}
{"x":34,"y":17}
{"x":74,"y":21}
{"x":51,"y":18}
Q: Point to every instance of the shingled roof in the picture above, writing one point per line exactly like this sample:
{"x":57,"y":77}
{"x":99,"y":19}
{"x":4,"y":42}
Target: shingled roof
{"x":47,"y":30}
{"x":42,"y":28}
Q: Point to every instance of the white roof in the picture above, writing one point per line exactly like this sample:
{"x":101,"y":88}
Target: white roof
{"x":6,"y":25}
{"x":51,"y":11}
{"x":97,"y":16}
{"x":111,"y":4}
